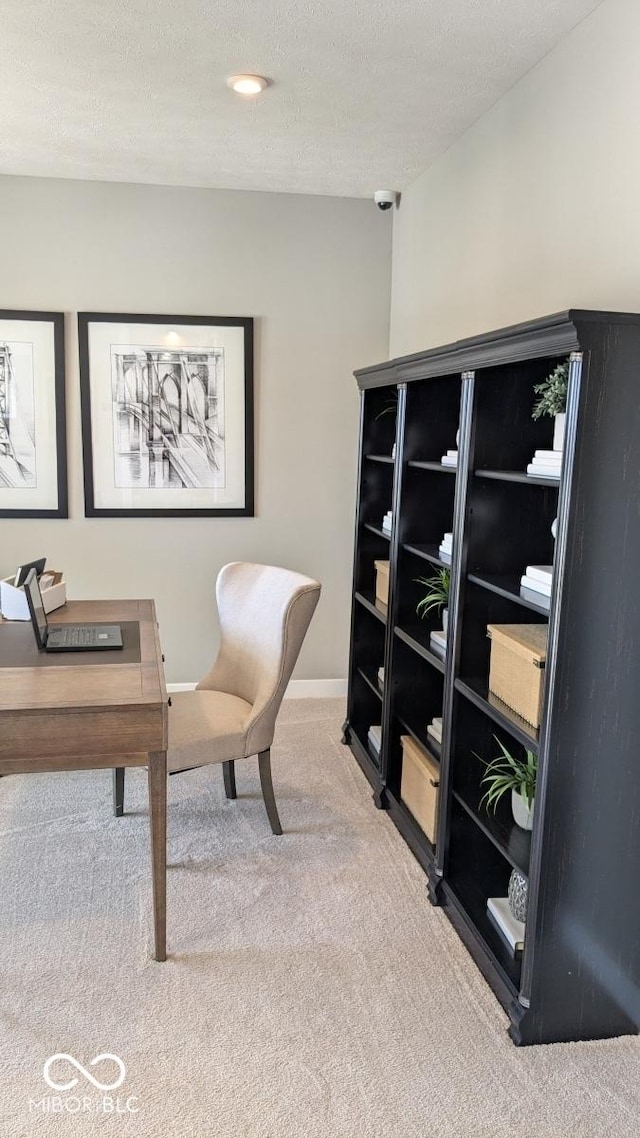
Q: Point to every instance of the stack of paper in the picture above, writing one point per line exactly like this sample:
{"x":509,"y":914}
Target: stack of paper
{"x":450,"y":458}
{"x":380,"y":677}
{"x":446,"y":548}
{"x":546,"y":464}
{"x":535,"y":584}
{"x":387,"y":522}
{"x":438,"y":643}
{"x":434,"y":729}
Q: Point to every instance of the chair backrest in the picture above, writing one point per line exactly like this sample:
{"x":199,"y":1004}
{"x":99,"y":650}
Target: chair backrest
{"x":264,"y":614}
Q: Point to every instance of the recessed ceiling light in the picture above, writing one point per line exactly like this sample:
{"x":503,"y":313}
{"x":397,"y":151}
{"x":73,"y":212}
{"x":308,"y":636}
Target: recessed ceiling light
{"x":248,"y":84}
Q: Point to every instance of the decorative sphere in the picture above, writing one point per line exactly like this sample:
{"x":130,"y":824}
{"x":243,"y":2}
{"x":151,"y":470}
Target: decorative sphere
{"x":518,"y":895}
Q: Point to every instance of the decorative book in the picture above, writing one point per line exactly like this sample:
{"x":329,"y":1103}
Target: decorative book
{"x":543,"y":573}
{"x":438,"y":643}
{"x":375,"y":737}
{"x":511,"y":930}
{"x":541,"y":599}
{"x":535,"y":585}
{"x":446,"y":548}
{"x":546,"y":464}
{"x":434,"y":729}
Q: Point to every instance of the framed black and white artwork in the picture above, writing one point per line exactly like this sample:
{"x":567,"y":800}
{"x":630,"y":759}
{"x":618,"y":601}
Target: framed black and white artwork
{"x":33,"y":452}
{"x":167,"y":415}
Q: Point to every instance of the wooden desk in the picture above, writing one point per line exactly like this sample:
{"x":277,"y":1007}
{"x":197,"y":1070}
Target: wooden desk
{"x":60,"y":712}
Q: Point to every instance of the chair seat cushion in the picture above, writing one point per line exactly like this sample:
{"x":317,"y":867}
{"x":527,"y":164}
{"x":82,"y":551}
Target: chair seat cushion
{"x":206,"y":727}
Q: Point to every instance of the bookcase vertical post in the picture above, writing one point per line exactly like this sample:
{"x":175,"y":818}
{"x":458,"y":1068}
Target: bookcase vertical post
{"x":379,"y":796}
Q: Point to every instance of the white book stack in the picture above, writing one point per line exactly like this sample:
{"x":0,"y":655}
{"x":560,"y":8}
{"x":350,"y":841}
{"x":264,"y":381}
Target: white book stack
{"x":387,"y":522}
{"x":438,"y":643}
{"x":504,"y":920}
{"x":546,"y":464}
{"x":374,"y":737}
{"x":535,"y":584}
{"x":434,"y":730}
{"x":446,"y":548}
{"x":450,"y":458}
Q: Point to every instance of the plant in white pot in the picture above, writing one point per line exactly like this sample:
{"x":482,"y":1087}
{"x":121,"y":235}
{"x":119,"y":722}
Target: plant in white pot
{"x":508,"y":773}
{"x":437,"y":595}
{"x":552,"y":400}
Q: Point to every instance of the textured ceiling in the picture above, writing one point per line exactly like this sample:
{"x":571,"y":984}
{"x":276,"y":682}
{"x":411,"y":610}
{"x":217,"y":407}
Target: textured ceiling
{"x":366,"y":93}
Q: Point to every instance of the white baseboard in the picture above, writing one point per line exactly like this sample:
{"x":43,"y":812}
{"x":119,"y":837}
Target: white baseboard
{"x":316,"y":689}
{"x":297,"y":689}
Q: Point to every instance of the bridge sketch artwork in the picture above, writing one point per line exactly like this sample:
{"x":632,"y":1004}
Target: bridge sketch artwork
{"x":168,"y":417}
{"x":17,"y":416}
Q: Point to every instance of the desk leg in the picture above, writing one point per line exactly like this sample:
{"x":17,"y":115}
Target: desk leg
{"x":158,"y":820}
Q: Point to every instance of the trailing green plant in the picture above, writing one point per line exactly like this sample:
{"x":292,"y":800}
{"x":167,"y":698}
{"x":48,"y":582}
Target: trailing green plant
{"x":506,"y":772}
{"x":390,"y":407}
{"x":552,"y":392}
{"x":437,"y":595}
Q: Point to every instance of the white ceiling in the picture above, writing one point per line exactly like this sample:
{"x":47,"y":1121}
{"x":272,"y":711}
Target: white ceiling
{"x":366,"y":92}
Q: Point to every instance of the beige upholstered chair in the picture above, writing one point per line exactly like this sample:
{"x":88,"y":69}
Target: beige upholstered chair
{"x":264,"y":614}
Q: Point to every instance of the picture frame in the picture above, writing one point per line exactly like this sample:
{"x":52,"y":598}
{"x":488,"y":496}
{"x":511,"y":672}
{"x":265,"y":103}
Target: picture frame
{"x":33,"y":435}
{"x":167,"y":415}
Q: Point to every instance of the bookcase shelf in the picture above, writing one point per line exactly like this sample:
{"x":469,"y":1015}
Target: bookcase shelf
{"x":379,"y":532}
{"x":427,"y":553}
{"x":507,"y":585}
{"x":421,"y":649}
{"x":509,"y":839}
{"x":369,"y":677}
{"x":432,"y":466}
{"x":369,"y":603}
{"x":475,"y":397}
{"x":477,"y":691}
{"x":518,"y":476}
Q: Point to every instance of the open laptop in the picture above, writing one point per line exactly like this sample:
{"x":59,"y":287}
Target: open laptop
{"x":66,"y":637}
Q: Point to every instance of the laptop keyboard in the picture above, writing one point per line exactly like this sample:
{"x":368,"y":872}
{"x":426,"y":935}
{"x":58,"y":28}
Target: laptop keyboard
{"x":80,"y":637}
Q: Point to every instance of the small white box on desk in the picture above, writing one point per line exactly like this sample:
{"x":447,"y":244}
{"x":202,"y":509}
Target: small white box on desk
{"x":13,"y":602}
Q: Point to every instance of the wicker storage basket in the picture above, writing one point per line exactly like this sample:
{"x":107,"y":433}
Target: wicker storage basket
{"x":516,"y":670}
{"x":419,"y":785}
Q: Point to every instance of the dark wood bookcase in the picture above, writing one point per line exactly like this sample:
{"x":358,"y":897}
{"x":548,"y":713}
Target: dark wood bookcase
{"x":579,"y":974}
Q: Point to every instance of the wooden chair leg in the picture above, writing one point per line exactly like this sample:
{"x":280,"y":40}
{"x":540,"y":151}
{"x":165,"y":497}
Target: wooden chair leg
{"x":118,"y":791}
{"x":229,"y":776}
{"x":264,"y":765}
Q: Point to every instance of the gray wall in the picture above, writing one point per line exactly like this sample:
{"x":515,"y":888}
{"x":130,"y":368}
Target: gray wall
{"x":315,"y":273}
{"x":535,"y":208}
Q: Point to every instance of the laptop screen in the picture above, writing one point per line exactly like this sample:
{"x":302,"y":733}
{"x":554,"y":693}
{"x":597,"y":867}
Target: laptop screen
{"x":36,"y":608}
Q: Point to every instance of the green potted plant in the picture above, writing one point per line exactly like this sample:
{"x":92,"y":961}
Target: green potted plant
{"x":436,"y":597}
{"x":508,"y":773}
{"x":552,"y":400}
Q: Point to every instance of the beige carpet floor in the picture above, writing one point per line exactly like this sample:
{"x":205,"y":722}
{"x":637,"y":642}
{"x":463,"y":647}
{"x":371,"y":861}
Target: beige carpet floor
{"x":311,"y":990}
